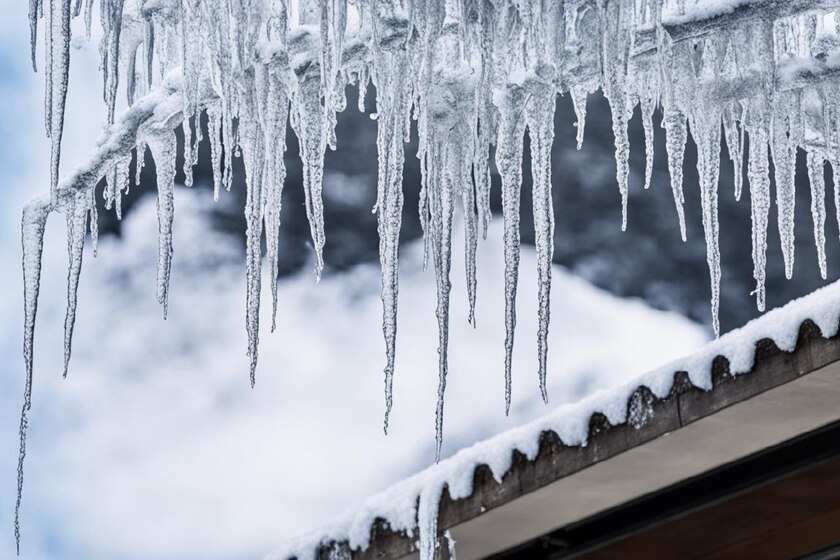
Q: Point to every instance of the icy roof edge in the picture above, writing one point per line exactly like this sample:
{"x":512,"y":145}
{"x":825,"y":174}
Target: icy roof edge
{"x":778,"y":347}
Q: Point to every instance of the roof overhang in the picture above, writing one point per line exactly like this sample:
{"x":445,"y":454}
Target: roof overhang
{"x":674,"y":439}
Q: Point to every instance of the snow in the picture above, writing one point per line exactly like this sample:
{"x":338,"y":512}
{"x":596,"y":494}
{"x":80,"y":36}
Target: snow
{"x":410,"y":506}
{"x":470,"y":77}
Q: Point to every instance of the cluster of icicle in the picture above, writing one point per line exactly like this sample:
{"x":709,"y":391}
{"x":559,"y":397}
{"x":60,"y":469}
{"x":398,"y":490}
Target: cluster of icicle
{"x":471,"y":74}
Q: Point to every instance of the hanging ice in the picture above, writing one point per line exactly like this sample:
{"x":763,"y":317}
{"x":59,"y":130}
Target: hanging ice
{"x":473,"y":76}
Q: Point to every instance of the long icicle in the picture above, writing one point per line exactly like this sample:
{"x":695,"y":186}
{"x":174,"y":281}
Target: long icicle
{"x":539,"y":114}
{"x":33,"y":225}
{"x":509,"y":164}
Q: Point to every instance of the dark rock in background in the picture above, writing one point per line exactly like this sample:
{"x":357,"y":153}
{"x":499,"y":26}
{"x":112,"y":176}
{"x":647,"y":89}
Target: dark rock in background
{"x":649,"y":260}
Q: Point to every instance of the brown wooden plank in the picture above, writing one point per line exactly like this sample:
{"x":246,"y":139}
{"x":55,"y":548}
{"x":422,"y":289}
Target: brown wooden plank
{"x":783,"y":518}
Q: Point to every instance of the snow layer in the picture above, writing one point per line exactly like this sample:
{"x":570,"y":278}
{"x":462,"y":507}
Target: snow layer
{"x":411,"y":506}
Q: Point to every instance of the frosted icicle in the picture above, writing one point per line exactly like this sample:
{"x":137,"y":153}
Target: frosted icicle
{"x":277,"y":110}
{"x":391,"y":104}
{"x":58,"y":76}
{"x":816,"y":164}
{"x":116,"y":182}
{"x":676,"y":136}
{"x":470,"y":237}
{"x":309,"y":126}
{"x":735,"y":144}
{"x":34,"y":9}
{"x":76,"y":214}
{"x":481,"y":174}
{"x":188,"y":152}
{"x":622,"y":157}
{"x":163,"y":149}
{"x":579,"y":95}
{"x":758,"y":169}
{"x":783,"y":144}
{"x":111,"y":16}
{"x":509,"y":164}
{"x":539,"y":115}
{"x":94,"y":221}
{"x":33,"y":224}
{"x":253,"y":151}
{"x":648,"y":107}
{"x":140,"y":161}
{"x":707,"y":136}
{"x":214,"y":131}
{"x":440,"y":197}
{"x":614,"y":60}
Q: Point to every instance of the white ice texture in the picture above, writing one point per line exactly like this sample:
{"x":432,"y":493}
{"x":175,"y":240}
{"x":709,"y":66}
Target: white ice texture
{"x":471,"y":74}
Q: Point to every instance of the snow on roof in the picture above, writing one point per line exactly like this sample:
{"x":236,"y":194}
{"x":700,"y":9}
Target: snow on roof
{"x":411,"y":506}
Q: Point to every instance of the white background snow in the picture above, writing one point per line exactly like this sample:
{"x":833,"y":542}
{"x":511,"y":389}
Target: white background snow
{"x":155,"y":446}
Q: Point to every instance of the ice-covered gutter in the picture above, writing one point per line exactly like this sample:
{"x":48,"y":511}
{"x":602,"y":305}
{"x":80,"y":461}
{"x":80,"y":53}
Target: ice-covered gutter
{"x":784,"y":344}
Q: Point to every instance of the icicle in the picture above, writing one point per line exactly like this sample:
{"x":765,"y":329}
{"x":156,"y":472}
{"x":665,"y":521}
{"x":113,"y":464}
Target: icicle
{"x":481,"y":174}
{"x":76,"y":214}
{"x":647,"y":121}
{"x":470,"y":238}
{"x":214,"y":131}
{"x":816,"y":164}
{"x":614,"y":60}
{"x":139,"y":162}
{"x":783,"y":144}
{"x":735,"y":144}
{"x":440,"y":196}
{"x":112,"y":13}
{"x":94,"y":221}
{"x":309,"y":126}
{"x":33,"y":224}
{"x":118,"y":182}
{"x":707,"y":137}
{"x":164,"y":149}
{"x":509,"y":164}
{"x":188,"y":152}
{"x":450,"y":544}
{"x":579,"y":95}
{"x":391,"y":105}
{"x":251,"y":135}
{"x":622,"y":157}
{"x":539,"y":114}
{"x":34,"y":9}
{"x":759,"y":178}
{"x":58,"y":76}
{"x":277,"y":110}
{"x":676,"y":136}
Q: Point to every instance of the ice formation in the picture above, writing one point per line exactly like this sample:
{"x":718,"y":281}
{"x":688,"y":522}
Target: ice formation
{"x":472,"y":74}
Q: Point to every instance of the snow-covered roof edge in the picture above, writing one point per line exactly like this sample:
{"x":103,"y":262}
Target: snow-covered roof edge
{"x":413,"y":512}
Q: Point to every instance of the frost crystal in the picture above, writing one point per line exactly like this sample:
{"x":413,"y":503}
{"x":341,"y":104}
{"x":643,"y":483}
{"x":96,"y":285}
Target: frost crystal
{"x":473,"y":76}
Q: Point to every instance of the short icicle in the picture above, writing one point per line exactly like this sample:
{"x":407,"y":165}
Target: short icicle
{"x":163,"y":148}
{"x":76,"y":212}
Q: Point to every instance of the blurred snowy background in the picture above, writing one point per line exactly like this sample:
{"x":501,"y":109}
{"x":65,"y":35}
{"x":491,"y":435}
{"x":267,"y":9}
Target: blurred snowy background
{"x":156,"y":446}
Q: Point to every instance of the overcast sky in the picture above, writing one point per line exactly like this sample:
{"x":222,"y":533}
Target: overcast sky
{"x":156,"y":446}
